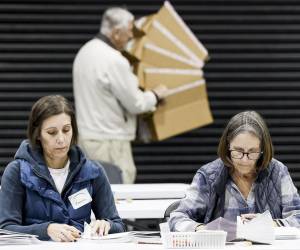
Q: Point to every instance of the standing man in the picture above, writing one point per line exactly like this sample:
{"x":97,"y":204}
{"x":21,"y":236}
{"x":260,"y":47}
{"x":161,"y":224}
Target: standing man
{"x":107,"y":96}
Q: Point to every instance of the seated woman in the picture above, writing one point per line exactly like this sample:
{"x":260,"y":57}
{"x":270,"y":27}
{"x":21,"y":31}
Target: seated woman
{"x":51,"y":187}
{"x":245,"y":180}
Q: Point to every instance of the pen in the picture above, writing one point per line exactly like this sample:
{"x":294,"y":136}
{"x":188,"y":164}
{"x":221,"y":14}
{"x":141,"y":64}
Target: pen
{"x":154,"y":243}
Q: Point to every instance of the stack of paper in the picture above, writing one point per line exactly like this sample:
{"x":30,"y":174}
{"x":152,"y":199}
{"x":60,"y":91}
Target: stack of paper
{"x":146,"y":237}
{"x":111,"y":238}
{"x":287,"y":233}
{"x":169,"y":53}
{"x":13,"y":238}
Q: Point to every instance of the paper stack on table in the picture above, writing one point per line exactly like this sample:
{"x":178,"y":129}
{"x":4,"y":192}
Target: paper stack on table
{"x":14,"y":238}
{"x":141,"y":237}
{"x":287,"y":233}
{"x":165,"y":51}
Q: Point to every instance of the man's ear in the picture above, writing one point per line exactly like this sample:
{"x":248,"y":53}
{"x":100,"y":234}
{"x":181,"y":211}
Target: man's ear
{"x":113,"y":36}
{"x":116,"y":34}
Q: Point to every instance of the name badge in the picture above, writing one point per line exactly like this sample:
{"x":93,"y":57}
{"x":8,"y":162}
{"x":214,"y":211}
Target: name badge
{"x":80,"y":198}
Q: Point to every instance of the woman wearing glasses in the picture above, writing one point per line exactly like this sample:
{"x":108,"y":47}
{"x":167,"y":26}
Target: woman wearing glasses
{"x":245,"y":180}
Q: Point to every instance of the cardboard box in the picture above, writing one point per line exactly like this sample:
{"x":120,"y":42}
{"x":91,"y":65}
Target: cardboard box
{"x":160,"y":36}
{"x":146,"y":51}
{"x":181,"y":112}
{"x":169,"y":53}
{"x":149,"y":76}
{"x":170,"y":21}
{"x":144,"y":22}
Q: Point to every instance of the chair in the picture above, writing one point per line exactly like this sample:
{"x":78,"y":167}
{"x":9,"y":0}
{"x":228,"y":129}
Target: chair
{"x":113,"y":172}
{"x":170,"y":209}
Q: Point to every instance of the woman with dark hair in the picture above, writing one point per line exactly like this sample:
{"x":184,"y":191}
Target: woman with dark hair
{"x":244,"y":181}
{"x":50,"y":188}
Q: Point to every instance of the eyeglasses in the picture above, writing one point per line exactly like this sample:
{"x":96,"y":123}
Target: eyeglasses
{"x":235,"y":154}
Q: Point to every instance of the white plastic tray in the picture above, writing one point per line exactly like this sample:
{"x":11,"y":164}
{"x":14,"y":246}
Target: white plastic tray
{"x":188,"y":240}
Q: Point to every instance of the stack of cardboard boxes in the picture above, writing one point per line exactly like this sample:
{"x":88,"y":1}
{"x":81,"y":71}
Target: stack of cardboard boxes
{"x":165,"y":51}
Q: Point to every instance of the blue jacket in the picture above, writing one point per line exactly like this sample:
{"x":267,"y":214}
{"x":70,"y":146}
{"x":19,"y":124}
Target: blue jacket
{"x":29,"y":200}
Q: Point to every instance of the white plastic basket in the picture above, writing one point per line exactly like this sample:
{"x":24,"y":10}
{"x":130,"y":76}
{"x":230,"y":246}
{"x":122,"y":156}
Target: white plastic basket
{"x":203,"y":239}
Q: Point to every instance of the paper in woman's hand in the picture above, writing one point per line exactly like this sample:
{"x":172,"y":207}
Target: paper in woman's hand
{"x":225,"y":225}
{"x":259,"y":229}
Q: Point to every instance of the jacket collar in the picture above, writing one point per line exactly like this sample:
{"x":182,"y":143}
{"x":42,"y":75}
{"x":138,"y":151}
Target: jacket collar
{"x":221,"y":180}
{"x":105,"y":39}
{"x":36,"y":176}
{"x":34,"y":156}
{"x":40,"y":167}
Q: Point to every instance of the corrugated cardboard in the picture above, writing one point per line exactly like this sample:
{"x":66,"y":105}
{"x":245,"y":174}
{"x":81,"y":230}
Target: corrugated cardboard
{"x":171,"y":55}
{"x":135,"y":47}
{"x":144,"y":22}
{"x":146,"y":51}
{"x":160,"y":35}
{"x":150,"y":77}
{"x":171,"y":78}
{"x":170,"y":20}
{"x":182,"y":112}
{"x":164,"y":39}
{"x":138,"y":70}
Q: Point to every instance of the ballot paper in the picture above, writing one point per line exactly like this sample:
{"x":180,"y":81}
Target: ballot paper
{"x":287,"y":233}
{"x":260,"y":229}
{"x":14,"y":238}
{"x":141,"y":237}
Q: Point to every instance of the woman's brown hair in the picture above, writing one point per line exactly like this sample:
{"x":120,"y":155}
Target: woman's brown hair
{"x":252,"y":122}
{"x":44,"y":108}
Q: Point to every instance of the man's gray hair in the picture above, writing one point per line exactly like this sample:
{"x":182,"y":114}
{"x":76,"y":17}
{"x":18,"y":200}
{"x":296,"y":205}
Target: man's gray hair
{"x":115,"y":17}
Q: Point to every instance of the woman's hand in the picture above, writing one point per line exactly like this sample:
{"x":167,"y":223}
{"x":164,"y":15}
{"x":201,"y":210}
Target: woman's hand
{"x":63,"y":232}
{"x":200,"y":228}
{"x":248,"y":217}
{"x":100,"y":227}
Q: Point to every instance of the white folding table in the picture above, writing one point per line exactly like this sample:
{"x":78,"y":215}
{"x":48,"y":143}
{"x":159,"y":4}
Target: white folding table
{"x":146,"y":201}
{"x":149,"y":191}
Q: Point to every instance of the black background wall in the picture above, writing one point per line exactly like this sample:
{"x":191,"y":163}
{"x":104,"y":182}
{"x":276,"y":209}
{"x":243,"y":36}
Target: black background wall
{"x":255,"y":60}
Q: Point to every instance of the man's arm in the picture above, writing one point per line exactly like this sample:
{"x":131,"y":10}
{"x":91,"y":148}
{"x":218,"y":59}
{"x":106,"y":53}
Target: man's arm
{"x":124,"y":85}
